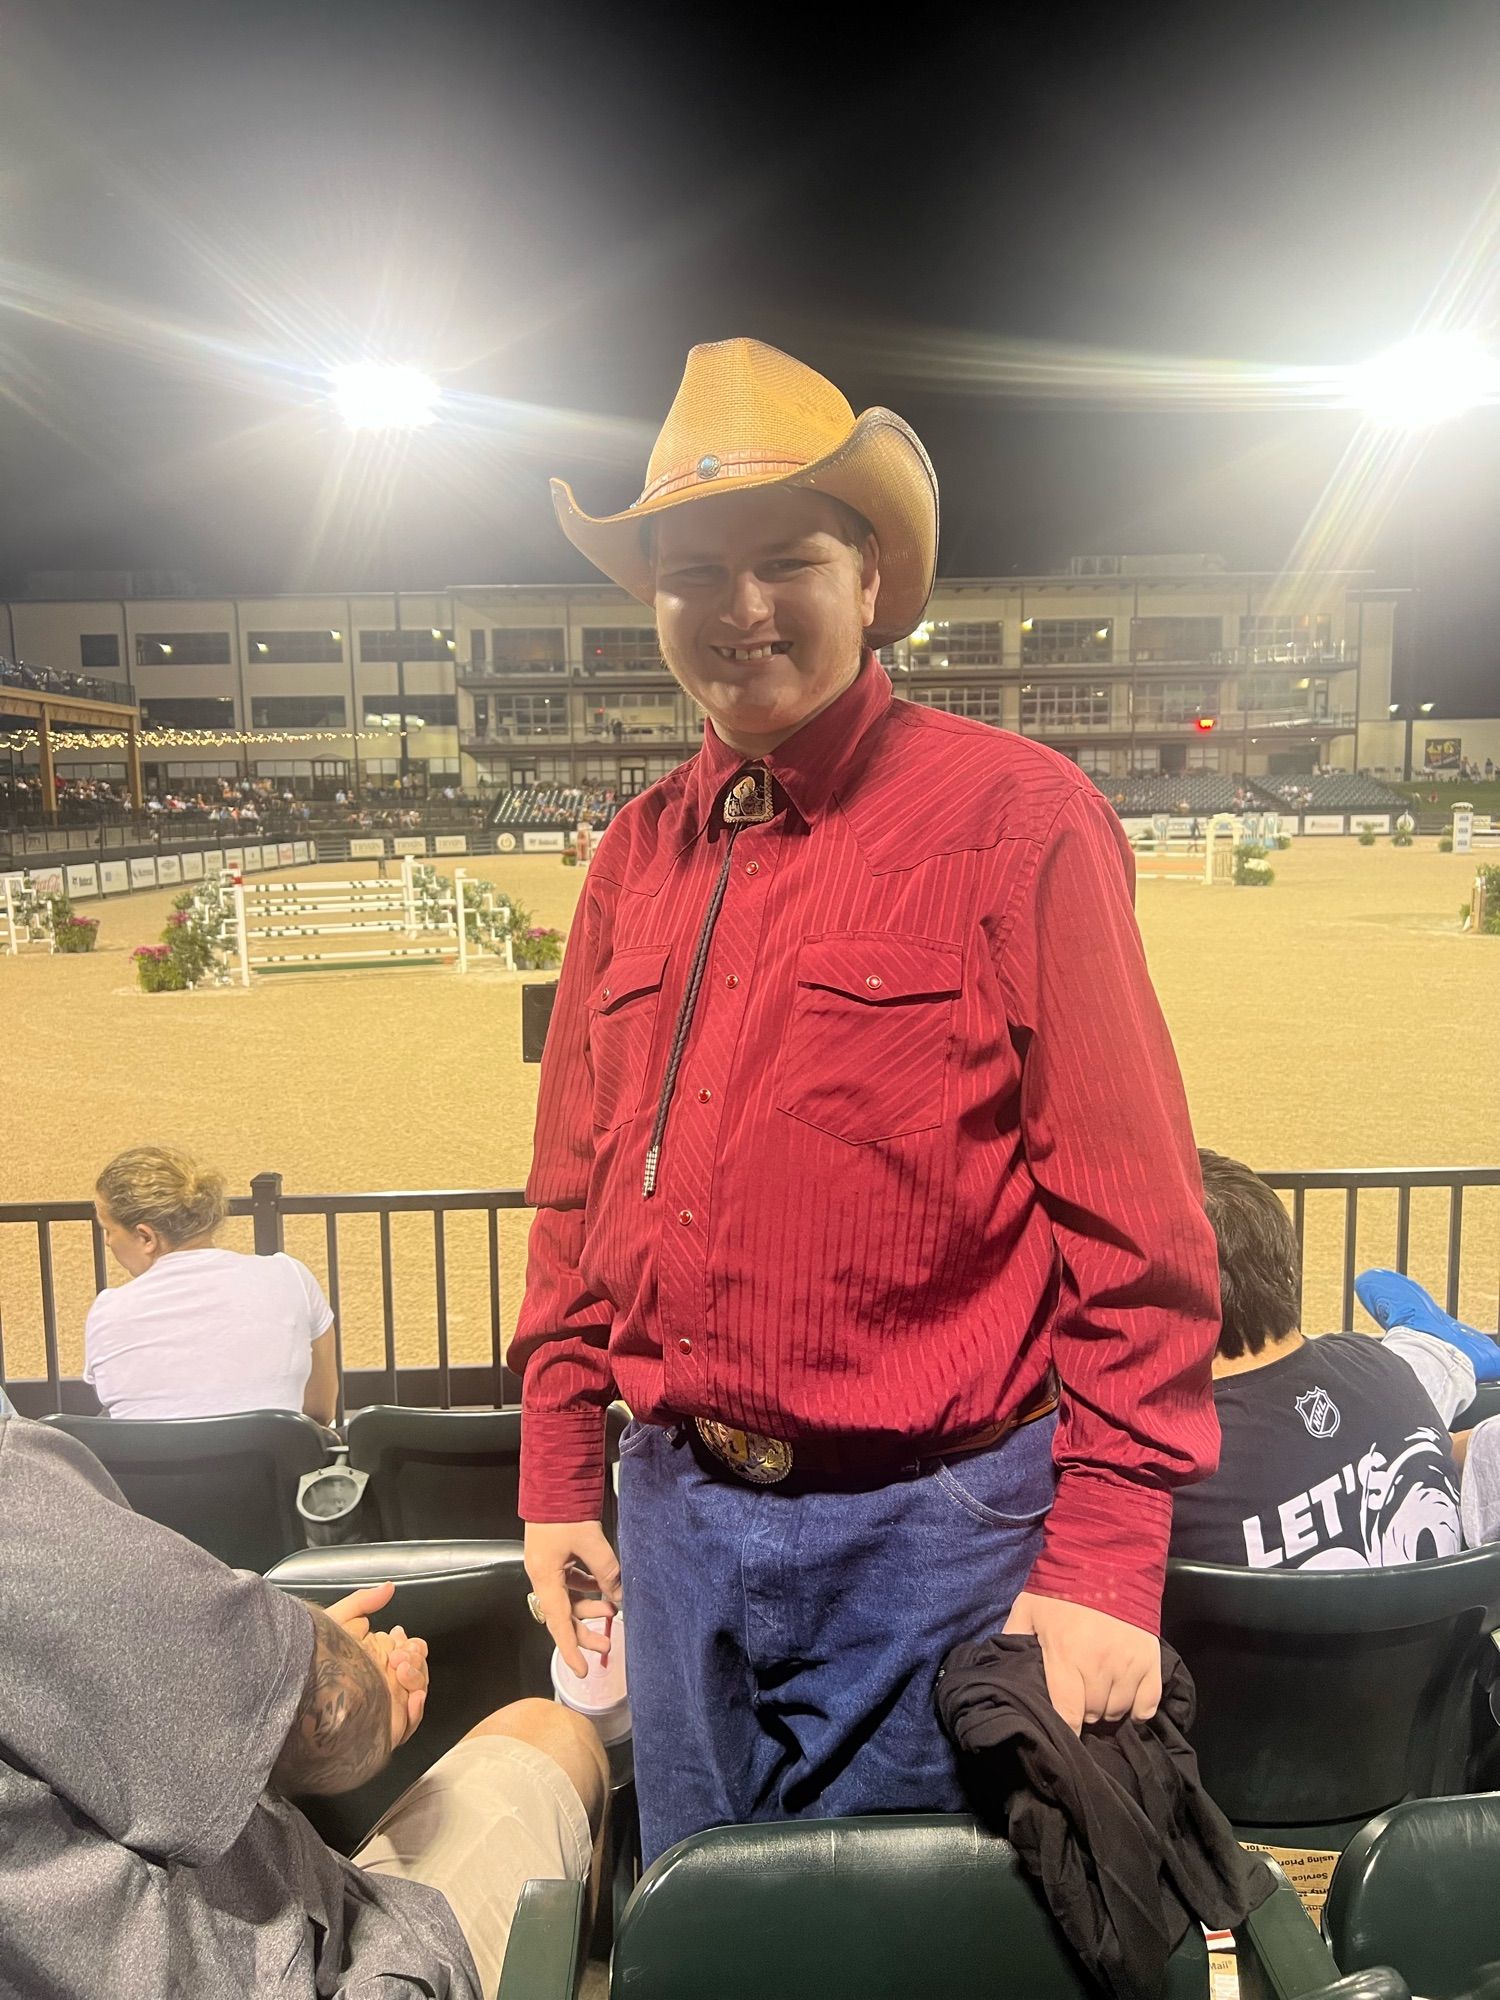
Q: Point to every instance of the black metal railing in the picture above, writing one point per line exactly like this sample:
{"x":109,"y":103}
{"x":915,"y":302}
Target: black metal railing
{"x":1456,"y":1263}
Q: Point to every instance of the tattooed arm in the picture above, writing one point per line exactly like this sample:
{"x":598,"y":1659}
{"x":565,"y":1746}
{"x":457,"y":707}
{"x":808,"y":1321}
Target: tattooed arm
{"x":342,"y":1732}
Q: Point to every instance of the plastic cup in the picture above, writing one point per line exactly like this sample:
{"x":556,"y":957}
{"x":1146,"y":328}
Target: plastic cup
{"x":599,"y":1692}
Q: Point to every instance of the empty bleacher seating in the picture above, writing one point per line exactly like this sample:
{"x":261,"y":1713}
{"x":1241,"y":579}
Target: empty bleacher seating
{"x":858,"y":1908}
{"x":1325,"y":1696}
{"x":1181,"y":793}
{"x":1415,"y":1889}
{"x":227,"y":1483}
{"x":1341,"y":792}
{"x":438,"y":1473}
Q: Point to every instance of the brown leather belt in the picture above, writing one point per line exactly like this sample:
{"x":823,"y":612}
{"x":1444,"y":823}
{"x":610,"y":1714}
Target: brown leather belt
{"x":767,"y":1461}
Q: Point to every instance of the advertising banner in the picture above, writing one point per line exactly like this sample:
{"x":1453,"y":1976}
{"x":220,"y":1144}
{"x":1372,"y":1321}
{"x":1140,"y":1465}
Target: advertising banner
{"x":542,"y":843}
{"x":286,"y":854}
{"x":1322,"y":822}
{"x":168,"y":869}
{"x":114,"y":877}
{"x":301,"y":852}
{"x":409,"y":843}
{"x":450,"y":843}
{"x":47,"y":881}
{"x":83,"y":878}
{"x":234,"y":860}
{"x":366,"y":850}
{"x":143,"y":872}
{"x":193,"y":867}
{"x":1442,"y":753}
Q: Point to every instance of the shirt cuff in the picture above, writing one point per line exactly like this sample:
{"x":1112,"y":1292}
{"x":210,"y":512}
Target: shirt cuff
{"x":1105,"y":1545}
{"x":562,"y":1464}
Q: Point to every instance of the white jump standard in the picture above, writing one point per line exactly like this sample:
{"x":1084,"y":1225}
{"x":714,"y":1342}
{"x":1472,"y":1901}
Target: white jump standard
{"x":415,"y":907}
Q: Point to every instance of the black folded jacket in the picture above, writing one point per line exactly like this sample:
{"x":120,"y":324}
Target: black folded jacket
{"x":1116,"y":1826}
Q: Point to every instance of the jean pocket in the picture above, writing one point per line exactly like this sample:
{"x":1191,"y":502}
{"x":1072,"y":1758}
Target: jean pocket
{"x":1012,"y":1485}
{"x":635,"y":1437}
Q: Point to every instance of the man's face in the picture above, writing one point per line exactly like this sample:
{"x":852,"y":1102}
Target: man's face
{"x":762,"y":607}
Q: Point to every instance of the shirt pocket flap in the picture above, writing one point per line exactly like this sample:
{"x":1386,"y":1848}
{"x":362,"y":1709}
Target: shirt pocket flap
{"x":875,"y":967}
{"x":629,"y":974}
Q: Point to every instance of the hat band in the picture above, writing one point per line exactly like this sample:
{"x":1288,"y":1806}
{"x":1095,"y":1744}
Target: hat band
{"x":710,"y":467}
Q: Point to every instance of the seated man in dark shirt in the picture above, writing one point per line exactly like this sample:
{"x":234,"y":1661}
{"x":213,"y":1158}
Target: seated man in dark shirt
{"x":1333,"y":1455}
{"x":156,"y":1709}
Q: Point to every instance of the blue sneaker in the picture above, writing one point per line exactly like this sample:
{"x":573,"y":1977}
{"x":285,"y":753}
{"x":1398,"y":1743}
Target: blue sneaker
{"x":1393,"y":1300}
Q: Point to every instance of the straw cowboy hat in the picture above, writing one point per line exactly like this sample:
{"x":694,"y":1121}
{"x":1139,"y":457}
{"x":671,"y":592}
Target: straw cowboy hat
{"x":749,"y":416}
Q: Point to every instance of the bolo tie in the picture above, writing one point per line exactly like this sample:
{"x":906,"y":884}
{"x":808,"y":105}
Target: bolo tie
{"x":749,"y":801}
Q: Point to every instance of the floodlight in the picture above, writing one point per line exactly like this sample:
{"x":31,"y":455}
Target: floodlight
{"x":1428,"y":707}
{"x":1425,"y":380}
{"x":384,"y":396}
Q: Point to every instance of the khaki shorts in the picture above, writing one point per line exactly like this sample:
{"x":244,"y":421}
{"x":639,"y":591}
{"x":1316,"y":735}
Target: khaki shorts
{"x":490,"y":1816}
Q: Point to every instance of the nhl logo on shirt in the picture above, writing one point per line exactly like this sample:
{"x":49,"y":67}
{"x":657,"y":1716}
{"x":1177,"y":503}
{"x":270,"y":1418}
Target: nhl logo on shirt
{"x":1319,"y":1412}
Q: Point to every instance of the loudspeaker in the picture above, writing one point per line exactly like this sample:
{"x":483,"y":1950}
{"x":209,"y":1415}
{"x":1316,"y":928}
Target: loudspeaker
{"x":537,"y":1002}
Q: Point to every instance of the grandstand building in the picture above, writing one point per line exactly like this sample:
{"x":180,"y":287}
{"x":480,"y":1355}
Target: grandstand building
{"x":1133,"y":667}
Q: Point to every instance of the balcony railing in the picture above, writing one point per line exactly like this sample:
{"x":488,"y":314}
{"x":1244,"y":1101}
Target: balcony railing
{"x":1404,"y":1206}
{"x":43,"y":681}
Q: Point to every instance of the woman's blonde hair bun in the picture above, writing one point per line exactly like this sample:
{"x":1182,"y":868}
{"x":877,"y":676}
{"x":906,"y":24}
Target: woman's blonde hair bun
{"x":166,"y":1189}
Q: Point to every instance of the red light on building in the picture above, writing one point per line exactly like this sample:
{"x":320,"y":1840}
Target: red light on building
{"x":1204,"y":723}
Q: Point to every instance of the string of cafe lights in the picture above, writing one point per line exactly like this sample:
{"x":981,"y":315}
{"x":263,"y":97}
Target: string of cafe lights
{"x":190,"y":739}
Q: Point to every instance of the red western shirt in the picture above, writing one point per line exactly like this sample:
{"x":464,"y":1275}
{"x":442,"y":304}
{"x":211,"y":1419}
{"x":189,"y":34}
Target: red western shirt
{"x":928,"y":1137}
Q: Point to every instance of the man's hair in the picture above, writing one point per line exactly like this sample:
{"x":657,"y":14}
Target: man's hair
{"x":167,"y":1189}
{"x":1260,"y":1262}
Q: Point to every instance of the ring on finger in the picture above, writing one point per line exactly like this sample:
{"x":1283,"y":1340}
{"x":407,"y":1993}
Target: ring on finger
{"x":534,"y":1606}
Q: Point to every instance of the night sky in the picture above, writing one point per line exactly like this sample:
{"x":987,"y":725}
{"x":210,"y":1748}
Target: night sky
{"x":1037,"y":238}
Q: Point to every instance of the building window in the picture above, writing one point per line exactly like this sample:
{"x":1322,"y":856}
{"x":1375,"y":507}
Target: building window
{"x":620,"y":649}
{"x":187,"y":712}
{"x":1145,"y":760}
{"x":952,"y":643}
{"x":297,"y":711}
{"x":422,"y":711}
{"x":99,"y":649}
{"x":507,"y":716}
{"x":1093,"y":758}
{"x":1166,"y":640}
{"x":1049,"y":642}
{"x":476,"y":646}
{"x":1175,"y":701}
{"x":1293,"y":637}
{"x":982,"y":704}
{"x":412,"y":642}
{"x":1203,"y":756}
{"x":295,"y":649}
{"x":528,"y":649}
{"x":182,"y":649}
{"x":1050,"y":706}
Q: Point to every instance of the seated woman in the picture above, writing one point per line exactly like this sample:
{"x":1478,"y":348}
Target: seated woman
{"x":199,"y":1331}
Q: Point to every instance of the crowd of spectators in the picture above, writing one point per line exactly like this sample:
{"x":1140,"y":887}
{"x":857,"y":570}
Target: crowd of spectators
{"x":54,"y":680}
{"x":555,"y":805}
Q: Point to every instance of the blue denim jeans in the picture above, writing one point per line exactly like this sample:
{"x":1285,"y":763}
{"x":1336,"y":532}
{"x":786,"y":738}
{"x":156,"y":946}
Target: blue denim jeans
{"x":782,"y":1650}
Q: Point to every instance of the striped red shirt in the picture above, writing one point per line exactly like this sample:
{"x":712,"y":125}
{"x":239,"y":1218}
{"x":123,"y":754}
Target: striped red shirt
{"x":927,"y":1139}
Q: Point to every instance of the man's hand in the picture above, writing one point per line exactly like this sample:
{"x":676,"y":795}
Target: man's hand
{"x":1099,"y":1669}
{"x":402,"y":1660}
{"x":564,"y":1557}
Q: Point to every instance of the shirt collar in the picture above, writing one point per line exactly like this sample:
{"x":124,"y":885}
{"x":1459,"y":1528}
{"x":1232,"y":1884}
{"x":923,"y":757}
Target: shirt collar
{"x":814,"y":763}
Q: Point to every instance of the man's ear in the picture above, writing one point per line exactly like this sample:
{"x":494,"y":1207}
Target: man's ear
{"x":869,"y":579}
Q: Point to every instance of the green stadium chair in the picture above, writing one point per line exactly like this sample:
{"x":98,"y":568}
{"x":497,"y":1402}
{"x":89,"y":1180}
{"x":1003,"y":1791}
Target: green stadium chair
{"x":869,"y":1909}
{"x":1419,"y":1889}
{"x":436,"y":1474}
{"x":1326,"y":1696}
{"x":467,"y":1599}
{"x":227,"y":1483}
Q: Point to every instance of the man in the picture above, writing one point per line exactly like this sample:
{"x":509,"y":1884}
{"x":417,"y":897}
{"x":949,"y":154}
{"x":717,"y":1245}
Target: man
{"x":156,"y":1710}
{"x":858,"y":1123}
{"x":1334,"y":1455}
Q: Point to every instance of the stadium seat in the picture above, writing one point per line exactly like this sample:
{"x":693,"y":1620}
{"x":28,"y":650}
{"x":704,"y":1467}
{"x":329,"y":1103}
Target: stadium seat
{"x":227,"y":1483}
{"x":860,"y":1909}
{"x":1326,"y":1696}
{"x":1416,"y":1889}
{"x":441,"y":1473}
{"x":1486,"y":1404}
{"x":467,"y":1599}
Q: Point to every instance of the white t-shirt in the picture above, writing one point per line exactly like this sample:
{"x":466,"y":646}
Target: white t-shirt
{"x":206,"y":1333}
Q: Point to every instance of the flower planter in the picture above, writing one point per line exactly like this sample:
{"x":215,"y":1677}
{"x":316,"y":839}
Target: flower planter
{"x":77,"y":934}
